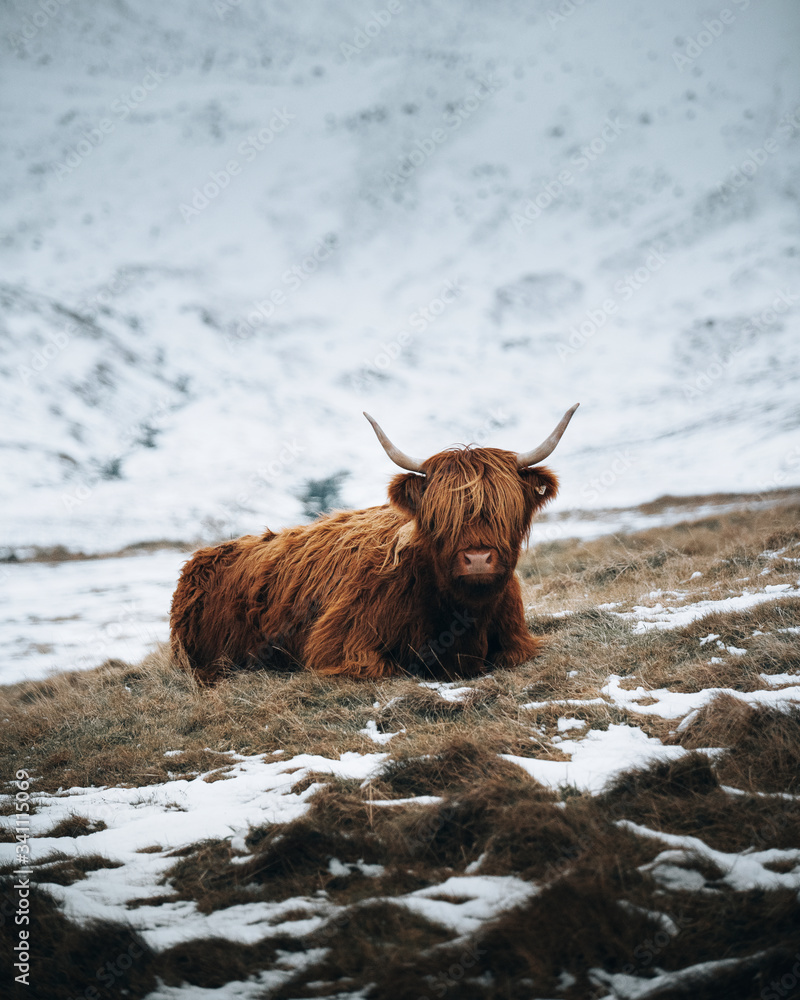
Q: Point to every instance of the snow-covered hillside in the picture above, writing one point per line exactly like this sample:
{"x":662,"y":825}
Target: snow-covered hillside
{"x":230,"y":227}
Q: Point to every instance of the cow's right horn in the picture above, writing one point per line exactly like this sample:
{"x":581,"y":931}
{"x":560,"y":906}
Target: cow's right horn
{"x":524,"y":459}
{"x":397,"y":456}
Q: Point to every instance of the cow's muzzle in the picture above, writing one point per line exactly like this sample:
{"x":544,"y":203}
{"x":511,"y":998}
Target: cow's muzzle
{"x":478,"y":564}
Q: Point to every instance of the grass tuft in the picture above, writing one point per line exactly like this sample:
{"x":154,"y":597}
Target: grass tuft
{"x":763,"y":743}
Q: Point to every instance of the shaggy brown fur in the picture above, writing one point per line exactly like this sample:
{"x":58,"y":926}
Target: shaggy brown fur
{"x":374,"y":592}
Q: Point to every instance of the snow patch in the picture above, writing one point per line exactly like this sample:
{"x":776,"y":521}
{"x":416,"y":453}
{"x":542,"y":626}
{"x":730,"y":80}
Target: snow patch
{"x":676,"y":704}
{"x":661,"y":617}
{"x":381,"y":739}
{"x":597,"y":758}
{"x":449,"y":690}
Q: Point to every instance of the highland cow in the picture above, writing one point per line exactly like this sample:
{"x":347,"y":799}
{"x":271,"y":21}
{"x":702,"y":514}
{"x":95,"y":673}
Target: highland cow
{"x":425,"y":584}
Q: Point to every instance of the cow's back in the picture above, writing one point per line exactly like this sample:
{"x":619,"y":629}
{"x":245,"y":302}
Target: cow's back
{"x":240,"y":603}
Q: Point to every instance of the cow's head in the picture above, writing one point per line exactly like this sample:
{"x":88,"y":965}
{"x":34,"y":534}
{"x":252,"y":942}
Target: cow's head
{"x":473,"y":507}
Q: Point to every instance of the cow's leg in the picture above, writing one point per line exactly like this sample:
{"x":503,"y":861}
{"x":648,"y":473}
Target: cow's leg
{"x":340,"y":644}
{"x":456,"y":644}
{"x":512,"y":644}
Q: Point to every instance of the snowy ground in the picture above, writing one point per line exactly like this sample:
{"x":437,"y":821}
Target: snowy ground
{"x":600,"y":217}
{"x":93,"y":611}
{"x":589,"y":711}
{"x":182,"y":812}
{"x":145,"y":825}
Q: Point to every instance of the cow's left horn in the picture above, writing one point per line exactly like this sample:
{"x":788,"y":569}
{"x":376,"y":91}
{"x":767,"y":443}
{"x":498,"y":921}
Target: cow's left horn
{"x":524,"y":459}
{"x":397,"y":456}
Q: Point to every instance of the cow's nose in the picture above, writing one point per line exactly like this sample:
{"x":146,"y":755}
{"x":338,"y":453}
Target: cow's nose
{"x":482,"y":561}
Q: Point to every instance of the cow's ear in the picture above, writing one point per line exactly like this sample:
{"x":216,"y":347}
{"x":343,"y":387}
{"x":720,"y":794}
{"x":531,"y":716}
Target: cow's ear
{"x":406,"y":492}
{"x":541,"y":486}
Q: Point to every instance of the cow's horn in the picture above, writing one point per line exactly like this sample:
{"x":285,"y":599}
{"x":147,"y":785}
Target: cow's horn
{"x":397,"y":456}
{"x":524,"y":459}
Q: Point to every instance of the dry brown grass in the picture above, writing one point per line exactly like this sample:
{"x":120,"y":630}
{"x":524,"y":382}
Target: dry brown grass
{"x":583,"y":863}
{"x":69,"y":953}
{"x":76,"y":826}
{"x":763,"y":743}
{"x":102,"y":959}
{"x":727,"y":549}
{"x":685,"y":797}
